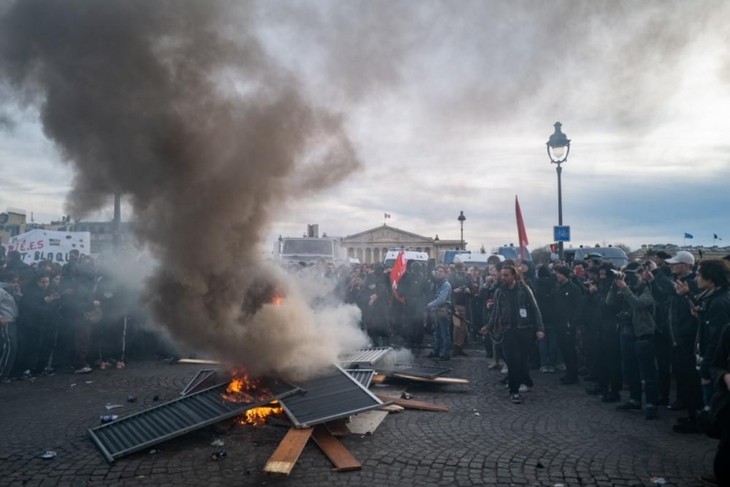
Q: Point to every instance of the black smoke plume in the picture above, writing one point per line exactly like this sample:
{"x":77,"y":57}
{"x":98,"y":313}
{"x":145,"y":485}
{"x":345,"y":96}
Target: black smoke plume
{"x":176,"y":105}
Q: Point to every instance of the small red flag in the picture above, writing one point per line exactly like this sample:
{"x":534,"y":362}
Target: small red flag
{"x":396,"y":273}
{"x":521,"y":232}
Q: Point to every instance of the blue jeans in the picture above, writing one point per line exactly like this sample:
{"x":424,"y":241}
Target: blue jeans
{"x":442,"y":336}
{"x":638,"y":360}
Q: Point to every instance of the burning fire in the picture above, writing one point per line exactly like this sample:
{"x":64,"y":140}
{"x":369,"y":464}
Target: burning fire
{"x":244,"y":389}
{"x":277,"y":299}
{"x":258,"y":416}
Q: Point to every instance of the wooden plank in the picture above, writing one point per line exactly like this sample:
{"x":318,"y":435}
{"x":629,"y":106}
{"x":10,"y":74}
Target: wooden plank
{"x":391,"y":408}
{"x":413,"y":404}
{"x":197,"y":361}
{"x":340,"y":457}
{"x":285,"y":456}
{"x":435,"y":380}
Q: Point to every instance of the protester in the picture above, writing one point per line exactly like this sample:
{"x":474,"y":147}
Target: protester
{"x":438,"y":307}
{"x":568,"y":303}
{"x":517,"y":313}
{"x":9,"y":295}
{"x":637,"y":338}
{"x":683,"y":328}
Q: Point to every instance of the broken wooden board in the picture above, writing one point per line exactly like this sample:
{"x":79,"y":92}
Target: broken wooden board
{"x":366,"y":423}
{"x":435,"y":380}
{"x":392,"y":408}
{"x":285,"y":456}
{"x":197,"y":361}
{"x":340,"y":457}
{"x":413,"y":404}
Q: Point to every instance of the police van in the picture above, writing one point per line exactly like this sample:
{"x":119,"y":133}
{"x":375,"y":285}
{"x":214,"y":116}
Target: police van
{"x":478,"y":260}
{"x":392,"y":255}
{"x":614,"y":255}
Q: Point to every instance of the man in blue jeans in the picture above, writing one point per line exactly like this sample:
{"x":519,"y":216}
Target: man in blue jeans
{"x":638,"y":358}
{"x":439,"y":309}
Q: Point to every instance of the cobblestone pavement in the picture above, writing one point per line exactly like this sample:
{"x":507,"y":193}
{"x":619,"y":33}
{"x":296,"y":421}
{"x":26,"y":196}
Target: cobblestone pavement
{"x":559,"y":435}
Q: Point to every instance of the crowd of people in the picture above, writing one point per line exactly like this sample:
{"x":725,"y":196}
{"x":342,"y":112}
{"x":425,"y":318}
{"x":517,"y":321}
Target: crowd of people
{"x":640,"y":329}
{"x":55,"y":315}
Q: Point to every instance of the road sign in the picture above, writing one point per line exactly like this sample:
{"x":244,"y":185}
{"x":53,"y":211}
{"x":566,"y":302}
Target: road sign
{"x":561,"y":233}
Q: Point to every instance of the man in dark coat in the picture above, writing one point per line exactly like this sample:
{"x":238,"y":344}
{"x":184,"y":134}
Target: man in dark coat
{"x":568,"y":302}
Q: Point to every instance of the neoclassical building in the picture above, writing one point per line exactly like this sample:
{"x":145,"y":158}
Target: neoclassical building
{"x":371,"y":245}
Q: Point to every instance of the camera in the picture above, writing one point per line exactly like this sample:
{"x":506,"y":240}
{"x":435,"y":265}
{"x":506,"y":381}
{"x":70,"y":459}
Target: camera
{"x":617,"y":274}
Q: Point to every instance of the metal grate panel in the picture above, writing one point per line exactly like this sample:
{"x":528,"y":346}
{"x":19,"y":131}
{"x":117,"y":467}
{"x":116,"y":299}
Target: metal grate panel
{"x":364,"y":356}
{"x":363,"y":376}
{"x":425,"y":371}
{"x":177,"y":417}
{"x":333,"y":396}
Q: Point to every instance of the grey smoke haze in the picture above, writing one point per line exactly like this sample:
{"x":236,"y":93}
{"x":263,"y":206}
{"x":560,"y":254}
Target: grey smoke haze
{"x":187,"y":108}
{"x":176,"y":105}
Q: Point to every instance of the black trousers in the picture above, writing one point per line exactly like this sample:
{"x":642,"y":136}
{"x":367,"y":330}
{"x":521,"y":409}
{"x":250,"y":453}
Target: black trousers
{"x":517,"y":345}
{"x":609,"y":358}
{"x":566,"y":341}
{"x":689,"y":387}
{"x":663,"y":350}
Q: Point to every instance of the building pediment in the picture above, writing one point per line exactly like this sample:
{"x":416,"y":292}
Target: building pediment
{"x":386,"y":235}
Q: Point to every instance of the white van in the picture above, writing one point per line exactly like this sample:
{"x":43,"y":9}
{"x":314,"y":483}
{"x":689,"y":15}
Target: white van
{"x":479,"y":260}
{"x":392,"y":255}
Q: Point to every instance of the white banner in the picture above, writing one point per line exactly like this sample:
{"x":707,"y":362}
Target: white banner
{"x":38,"y":245}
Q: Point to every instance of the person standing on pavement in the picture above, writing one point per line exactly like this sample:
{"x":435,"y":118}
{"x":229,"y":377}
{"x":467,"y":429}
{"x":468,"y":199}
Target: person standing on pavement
{"x":720,"y":370}
{"x":662,"y":288}
{"x":460,"y":294}
{"x":545,"y":290}
{"x":683,"y":326}
{"x":8,"y":327}
{"x":439,"y":310}
{"x":568,"y":303}
{"x":713,"y":280}
{"x":516,"y":311}
{"x":636,"y":322}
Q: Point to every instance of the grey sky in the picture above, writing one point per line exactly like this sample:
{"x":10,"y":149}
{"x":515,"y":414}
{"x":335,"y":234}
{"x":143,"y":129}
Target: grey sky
{"x":449,"y":105}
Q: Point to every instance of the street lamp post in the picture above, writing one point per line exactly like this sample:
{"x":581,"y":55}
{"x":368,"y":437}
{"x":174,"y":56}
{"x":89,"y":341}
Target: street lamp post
{"x":461,"y":219}
{"x":558,"y":148}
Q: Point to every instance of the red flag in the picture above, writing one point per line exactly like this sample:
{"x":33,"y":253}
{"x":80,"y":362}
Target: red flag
{"x":521,"y":232}
{"x":396,"y":273}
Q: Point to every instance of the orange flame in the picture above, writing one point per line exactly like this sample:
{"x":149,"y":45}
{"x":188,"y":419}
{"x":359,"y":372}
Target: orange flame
{"x":277,"y":300}
{"x":244,"y":389}
{"x":257,"y":416}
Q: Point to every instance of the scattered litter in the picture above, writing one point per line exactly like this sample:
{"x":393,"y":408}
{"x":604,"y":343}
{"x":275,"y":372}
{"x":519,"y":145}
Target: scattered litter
{"x":405,"y":395}
{"x":108,"y":418}
{"x":153,"y":451}
{"x":219,"y":455}
{"x":48,"y":455}
{"x":89,"y":381}
{"x":477,"y":414}
{"x":155,"y":397}
{"x":131,"y":398}
{"x":658,"y":480}
{"x":73,"y":385}
{"x":110,"y":406}
{"x":540,"y":465}
{"x":218,"y":442}
{"x":559,"y":485}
